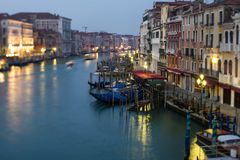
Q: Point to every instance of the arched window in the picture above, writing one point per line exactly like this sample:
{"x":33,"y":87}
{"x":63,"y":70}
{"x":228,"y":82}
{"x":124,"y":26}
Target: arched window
{"x":237,"y":34}
{"x":211,"y":65}
{"x":230,"y":67}
{"x":231,"y":37}
{"x":225,"y":67}
{"x":236,"y":67}
{"x":206,"y":63}
{"x":219,"y":66}
{"x":226,"y":37}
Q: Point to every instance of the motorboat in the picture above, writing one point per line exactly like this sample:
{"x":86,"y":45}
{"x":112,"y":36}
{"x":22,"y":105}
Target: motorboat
{"x":70,"y":64}
{"x":205,"y":137}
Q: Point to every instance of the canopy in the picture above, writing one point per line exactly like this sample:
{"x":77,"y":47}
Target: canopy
{"x":144,"y":75}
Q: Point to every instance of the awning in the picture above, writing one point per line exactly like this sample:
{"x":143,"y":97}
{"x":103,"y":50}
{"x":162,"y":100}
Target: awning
{"x":144,"y":75}
{"x":175,"y":71}
{"x":225,"y":86}
{"x":236,"y":89}
{"x":211,"y":83}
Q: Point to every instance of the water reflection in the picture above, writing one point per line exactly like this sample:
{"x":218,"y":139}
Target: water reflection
{"x":54,"y":63}
{"x":2,"y":78}
{"x":42,"y":66}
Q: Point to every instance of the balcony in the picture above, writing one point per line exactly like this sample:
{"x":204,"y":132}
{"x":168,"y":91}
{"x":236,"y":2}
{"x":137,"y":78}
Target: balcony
{"x":174,"y":19}
{"x":209,"y":73}
{"x":227,"y":79}
{"x":170,"y":51}
{"x":226,"y":47}
{"x":156,"y":41}
{"x":173,"y":33}
{"x":237,"y":48}
{"x":161,"y":64}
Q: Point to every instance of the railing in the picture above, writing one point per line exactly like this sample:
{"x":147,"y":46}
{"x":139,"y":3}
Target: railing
{"x":162,"y":64}
{"x":237,"y":48}
{"x":226,"y":47}
{"x":173,"y":33}
{"x":225,"y":78}
{"x":175,"y":18}
{"x":209,"y":73}
{"x":156,"y":41}
{"x":171,"y":51}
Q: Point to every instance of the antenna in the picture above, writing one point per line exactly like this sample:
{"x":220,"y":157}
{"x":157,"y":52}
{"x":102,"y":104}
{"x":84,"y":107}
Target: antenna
{"x":85,"y":28}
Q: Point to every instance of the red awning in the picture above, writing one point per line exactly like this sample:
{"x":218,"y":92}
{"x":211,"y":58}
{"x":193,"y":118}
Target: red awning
{"x":175,"y":71}
{"x":211,"y":83}
{"x":225,"y":86}
{"x":236,"y":89}
{"x":147,"y":75}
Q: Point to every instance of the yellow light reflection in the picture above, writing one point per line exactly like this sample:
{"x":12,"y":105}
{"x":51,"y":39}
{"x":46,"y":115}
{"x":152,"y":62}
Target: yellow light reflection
{"x":2,"y":78}
{"x":42,"y":67}
{"x":143,"y":129}
{"x":55,"y":62}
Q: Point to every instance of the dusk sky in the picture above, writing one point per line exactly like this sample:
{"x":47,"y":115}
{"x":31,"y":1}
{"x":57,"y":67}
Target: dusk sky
{"x":119,"y":16}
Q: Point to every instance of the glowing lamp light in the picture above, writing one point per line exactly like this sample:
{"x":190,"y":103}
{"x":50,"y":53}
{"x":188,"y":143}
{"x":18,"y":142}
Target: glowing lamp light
{"x":214,"y":60}
{"x":198,"y":81}
{"x":43,"y":50}
{"x":204,"y":83}
{"x":201,"y":77}
{"x":54,"y":49}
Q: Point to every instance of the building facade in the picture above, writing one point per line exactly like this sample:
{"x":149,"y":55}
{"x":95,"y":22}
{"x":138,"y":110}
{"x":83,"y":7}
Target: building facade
{"x":16,"y":38}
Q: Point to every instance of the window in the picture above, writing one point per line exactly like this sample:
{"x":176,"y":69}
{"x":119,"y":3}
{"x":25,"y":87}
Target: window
{"x":226,"y":37}
{"x":212,"y":19}
{"x":207,"y":19}
{"x":206,"y":63}
{"x":236,"y":67}
{"x":220,"y":17}
{"x":196,"y":39}
{"x":230,"y":67}
{"x":219,"y":66}
{"x":220,"y":38}
{"x":225,"y":67}
{"x":231,"y":37}
{"x":237,"y":34}
{"x":157,"y":34}
{"x":211,"y":40}
{"x":4,"y":41}
{"x":4,"y":31}
{"x":183,"y":35}
{"x":202,"y":36}
{"x":206,"y":40}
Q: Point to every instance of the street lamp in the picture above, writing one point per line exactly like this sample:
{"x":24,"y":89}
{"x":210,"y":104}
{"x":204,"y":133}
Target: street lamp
{"x":145,"y":65}
{"x":202,"y":84}
{"x":43,"y":50}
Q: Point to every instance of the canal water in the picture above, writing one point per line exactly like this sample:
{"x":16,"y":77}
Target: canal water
{"x":47,"y":113}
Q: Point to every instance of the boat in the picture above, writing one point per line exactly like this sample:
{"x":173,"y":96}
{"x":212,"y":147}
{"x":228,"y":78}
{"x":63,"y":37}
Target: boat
{"x":90,"y":57}
{"x":4,"y":66}
{"x":229,"y":145}
{"x":205,"y":137}
{"x":121,"y":93}
{"x":70,"y":64}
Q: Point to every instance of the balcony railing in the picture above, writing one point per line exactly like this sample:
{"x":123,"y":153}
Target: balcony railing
{"x":175,"y":18}
{"x":226,"y":47}
{"x":161,"y":64}
{"x":210,"y":73}
{"x":171,"y":51}
{"x":173,"y":33}
{"x":225,"y":78}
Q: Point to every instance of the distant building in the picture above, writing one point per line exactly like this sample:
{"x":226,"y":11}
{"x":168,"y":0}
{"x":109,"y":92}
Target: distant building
{"x":50,"y":22}
{"x":16,"y":38}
